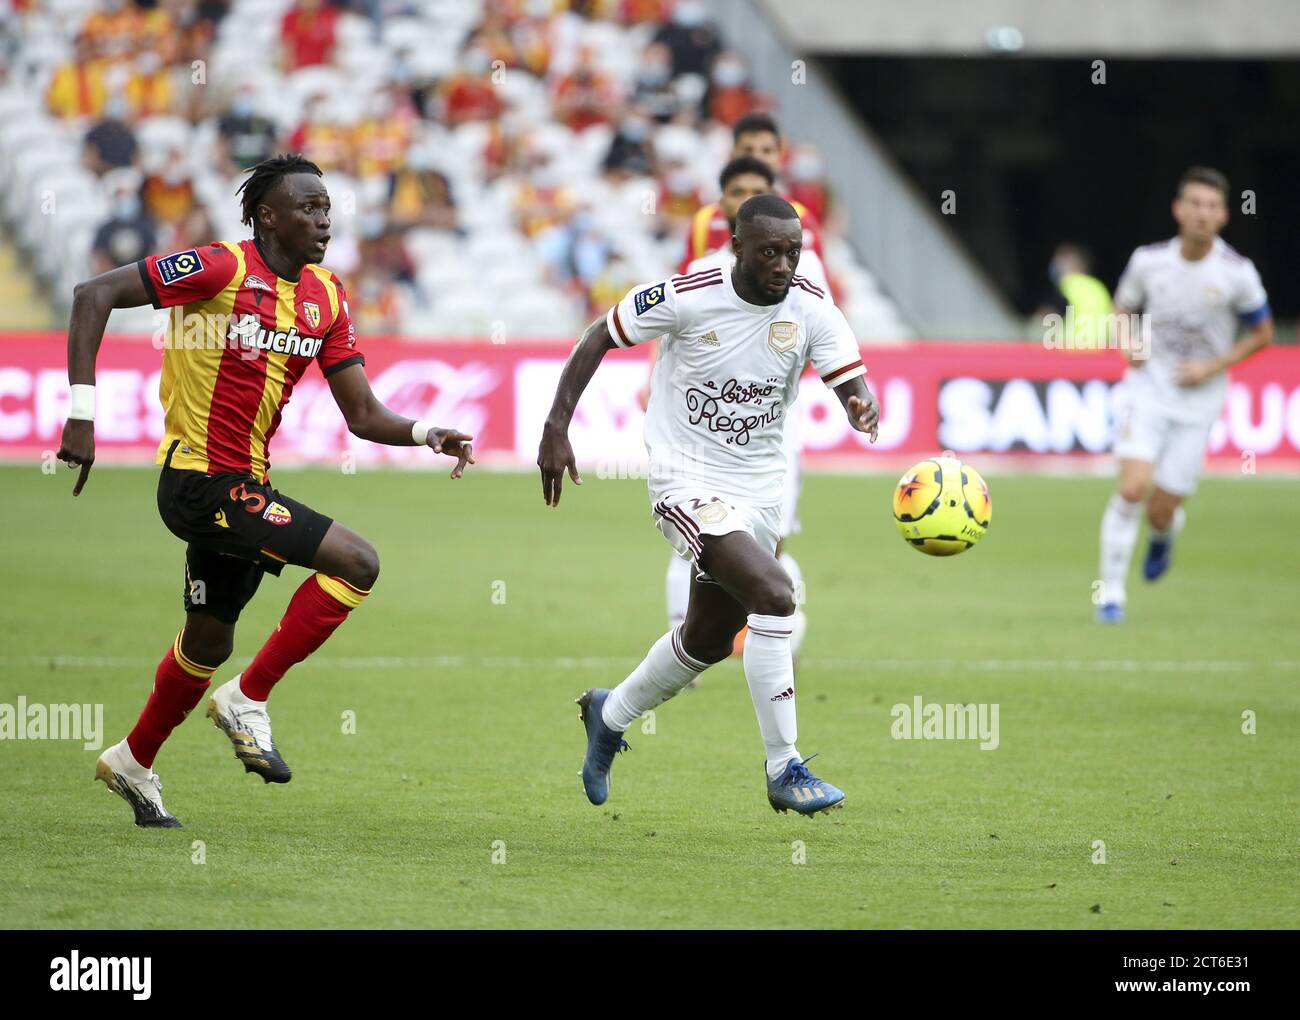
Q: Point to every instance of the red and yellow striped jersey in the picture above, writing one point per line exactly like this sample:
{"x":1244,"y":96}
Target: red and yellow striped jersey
{"x":710,"y":230}
{"x":237,"y":340}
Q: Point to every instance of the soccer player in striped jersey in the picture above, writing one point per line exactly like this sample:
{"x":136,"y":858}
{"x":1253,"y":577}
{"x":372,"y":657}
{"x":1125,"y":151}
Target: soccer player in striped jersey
{"x":1196,"y":292}
{"x":248,"y":320}
{"x":734,"y":345}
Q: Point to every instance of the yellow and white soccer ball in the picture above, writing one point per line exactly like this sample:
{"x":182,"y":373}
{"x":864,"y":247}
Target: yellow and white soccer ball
{"x":942,"y":506}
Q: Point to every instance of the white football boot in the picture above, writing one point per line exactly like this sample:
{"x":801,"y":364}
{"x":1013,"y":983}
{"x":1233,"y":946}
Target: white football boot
{"x":138,"y":786}
{"x":248,"y":726}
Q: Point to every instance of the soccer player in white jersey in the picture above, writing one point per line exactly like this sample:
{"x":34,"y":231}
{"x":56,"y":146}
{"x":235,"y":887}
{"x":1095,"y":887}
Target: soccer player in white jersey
{"x":741,"y":179}
{"x":734,"y":345}
{"x":1194,"y":289}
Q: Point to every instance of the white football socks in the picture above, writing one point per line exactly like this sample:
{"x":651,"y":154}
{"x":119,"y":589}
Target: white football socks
{"x":678,"y":588}
{"x":1119,"y":532}
{"x":120,"y":758}
{"x":664,"y":671}
{"x":769,"y":669}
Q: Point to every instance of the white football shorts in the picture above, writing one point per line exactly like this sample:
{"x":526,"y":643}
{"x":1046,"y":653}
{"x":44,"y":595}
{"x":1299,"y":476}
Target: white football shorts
{"x":1175,"y":449}
{"x":683,"y":519}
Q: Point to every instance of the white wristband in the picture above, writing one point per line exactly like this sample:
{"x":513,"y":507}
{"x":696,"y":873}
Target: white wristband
{"x":82,"y":405}
{"x":420,"y":432}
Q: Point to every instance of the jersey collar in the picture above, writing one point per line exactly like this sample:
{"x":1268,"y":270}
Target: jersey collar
{"x":739,"y":301}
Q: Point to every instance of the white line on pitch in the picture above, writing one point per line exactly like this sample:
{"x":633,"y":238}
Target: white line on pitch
{"x":561,"y":662}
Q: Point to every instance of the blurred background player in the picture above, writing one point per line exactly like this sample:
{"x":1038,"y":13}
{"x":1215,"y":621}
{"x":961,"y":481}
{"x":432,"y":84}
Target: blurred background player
{"x":742,"y":179}
{"x":1192,"y":290}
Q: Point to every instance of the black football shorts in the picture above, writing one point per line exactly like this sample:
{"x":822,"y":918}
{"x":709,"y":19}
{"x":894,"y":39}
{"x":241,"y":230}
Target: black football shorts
{"x":236,"y":530}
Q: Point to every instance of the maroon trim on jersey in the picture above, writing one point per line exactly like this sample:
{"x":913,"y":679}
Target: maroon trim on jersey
{"x":806,"y":284}
{"x":771,"y":633}
{"x":711,"y":282}
{"x":621,"y":339}
{"x":848,"y":366}
{"x":690,"y":277}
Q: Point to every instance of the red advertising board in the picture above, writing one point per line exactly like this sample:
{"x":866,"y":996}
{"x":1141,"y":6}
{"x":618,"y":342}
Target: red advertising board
{"x":990,"y":399}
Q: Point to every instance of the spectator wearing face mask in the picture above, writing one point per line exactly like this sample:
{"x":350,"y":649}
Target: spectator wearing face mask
{"x":115,"y":30}
{"x":806,"y":182}
{"x":654,"y":91}
{"x":79,"y":87}
{"x":308,"y":34}
{"x":245,"y":135}
{"x":168,"y":192}
{"x":420,"y":196}
{"x":320,"y":137}
{"x":630,"y":153}
{"x":128,"y":235}
{"x":469,"y":94}
{"x":691,"y":38}
{"x":679,"y":196}
{"x":729,"y":97}
{"x":382,"y":136}
{"x":110,"y":144}
{"x":585,"y":97}
{"x":149,"y":90}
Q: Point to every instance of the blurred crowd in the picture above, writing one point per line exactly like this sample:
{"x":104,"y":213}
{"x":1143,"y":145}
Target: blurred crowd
{"x":587,"y":133}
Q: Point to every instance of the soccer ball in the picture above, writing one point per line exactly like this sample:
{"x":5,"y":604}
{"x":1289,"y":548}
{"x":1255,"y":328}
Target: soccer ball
{"x":942,"y":506}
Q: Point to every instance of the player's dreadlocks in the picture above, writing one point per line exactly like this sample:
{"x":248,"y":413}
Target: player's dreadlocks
{"x":263,"y":176}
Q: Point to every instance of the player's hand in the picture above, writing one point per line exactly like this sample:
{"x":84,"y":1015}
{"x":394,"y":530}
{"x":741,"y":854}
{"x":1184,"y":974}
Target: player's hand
{"x":77,"y":448}
{"x":554,"y":457}
{"x":453,"y":444}
{"x":643,"y":396}
{"x":864,"y":415}
{"x":1193,"y":373}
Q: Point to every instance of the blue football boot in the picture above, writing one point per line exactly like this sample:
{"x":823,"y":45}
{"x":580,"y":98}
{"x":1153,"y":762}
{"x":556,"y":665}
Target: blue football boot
{"x":1157,"y":561}
{"x":797,"y":789}
{"x":1110,"y":612}
{"x":602,"y":744}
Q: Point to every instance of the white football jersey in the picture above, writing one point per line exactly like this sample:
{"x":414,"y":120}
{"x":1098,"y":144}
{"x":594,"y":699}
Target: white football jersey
{"x":1194,"y":308}
{"x":726,"y":374}
{"x":811,"y":268}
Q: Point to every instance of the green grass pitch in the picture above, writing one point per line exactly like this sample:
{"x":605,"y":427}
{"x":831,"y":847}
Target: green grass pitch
{"x":492,"y":613}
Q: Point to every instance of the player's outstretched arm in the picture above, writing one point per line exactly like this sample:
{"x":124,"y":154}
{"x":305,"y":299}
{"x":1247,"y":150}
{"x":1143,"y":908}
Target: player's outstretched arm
{"x":860,"y":403}
{"x":555,"y":454}
{"x":92,"y":301}
{"x":369,"y":419}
